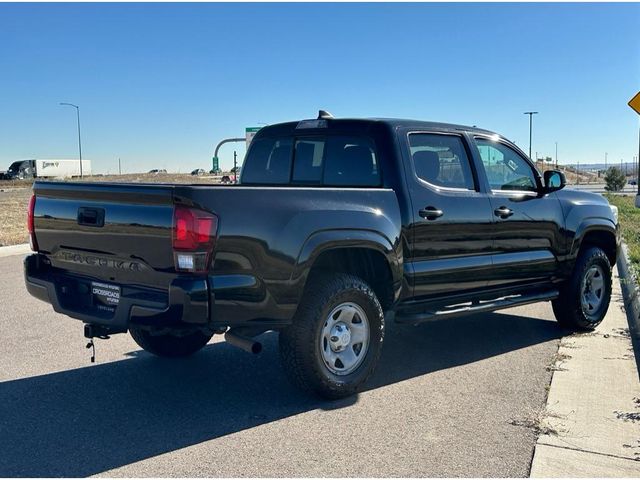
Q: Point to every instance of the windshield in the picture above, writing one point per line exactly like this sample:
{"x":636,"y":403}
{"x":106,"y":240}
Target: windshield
{"x":15,"y":166}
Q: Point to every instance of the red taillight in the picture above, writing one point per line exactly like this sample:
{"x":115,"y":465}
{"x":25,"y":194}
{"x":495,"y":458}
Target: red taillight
{"x":30,"y":224}
{"x":194,"y":236}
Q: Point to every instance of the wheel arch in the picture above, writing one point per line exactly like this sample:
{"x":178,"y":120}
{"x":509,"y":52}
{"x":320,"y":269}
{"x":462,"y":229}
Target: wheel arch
{"x":600,"y":233}
{"x":367,"y":254}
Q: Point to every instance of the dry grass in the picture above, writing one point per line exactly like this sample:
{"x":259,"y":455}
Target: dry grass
{"x":571,"y":174}
{"x":152,"y":178}
{"x":13,"y":215}
{"x":629,"y":217}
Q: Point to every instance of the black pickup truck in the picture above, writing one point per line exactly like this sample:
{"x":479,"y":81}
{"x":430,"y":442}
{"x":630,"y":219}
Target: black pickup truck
{"x":337,"y":225}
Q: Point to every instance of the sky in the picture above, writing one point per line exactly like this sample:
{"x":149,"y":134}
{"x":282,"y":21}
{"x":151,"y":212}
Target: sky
{"x":159,"y":85}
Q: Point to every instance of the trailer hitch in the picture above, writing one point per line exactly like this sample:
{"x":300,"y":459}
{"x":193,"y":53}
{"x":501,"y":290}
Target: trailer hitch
{"x":97,"y":331}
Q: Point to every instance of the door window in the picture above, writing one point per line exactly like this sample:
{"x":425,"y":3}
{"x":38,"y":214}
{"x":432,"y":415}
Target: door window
{"x":506,"y":169}
{"x":441,"y":160}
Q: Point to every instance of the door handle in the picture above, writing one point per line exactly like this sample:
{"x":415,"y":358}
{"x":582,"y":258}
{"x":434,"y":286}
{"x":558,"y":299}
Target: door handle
{"x":431,"y":213}
{"x":503,"y":212}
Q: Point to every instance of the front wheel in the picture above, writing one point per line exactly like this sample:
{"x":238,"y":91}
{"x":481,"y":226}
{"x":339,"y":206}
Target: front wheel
{"x":584,"y":299}
{"x":166,"y":345}
{"x":335,"y":340}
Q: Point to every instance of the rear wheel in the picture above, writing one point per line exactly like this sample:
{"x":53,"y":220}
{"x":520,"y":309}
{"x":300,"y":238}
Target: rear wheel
{"x":166,"y":345}
{"x":336,"y":337}
{"x":584,"y":299}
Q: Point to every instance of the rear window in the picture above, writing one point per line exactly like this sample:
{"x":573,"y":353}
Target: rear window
{"x":347,"y":161}
{"x":307,"y":166}
{"x":351,"y":161}
{"x":268,"y":162}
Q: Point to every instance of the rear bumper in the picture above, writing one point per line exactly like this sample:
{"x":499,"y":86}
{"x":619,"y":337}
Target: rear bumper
{"x":186,"y":303}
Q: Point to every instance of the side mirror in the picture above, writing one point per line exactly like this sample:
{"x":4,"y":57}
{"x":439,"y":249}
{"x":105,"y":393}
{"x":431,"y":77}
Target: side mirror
{"x":553,"y":180}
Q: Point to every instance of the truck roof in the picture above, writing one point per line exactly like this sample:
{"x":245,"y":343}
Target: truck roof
{"x":362,"y":124}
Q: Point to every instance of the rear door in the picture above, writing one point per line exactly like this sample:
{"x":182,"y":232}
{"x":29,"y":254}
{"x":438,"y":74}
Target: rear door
{"x":527,"y":224}
{"x":451,"y":238}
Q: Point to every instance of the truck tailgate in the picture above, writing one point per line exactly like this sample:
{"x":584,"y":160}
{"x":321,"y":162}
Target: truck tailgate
{"x":114,"y":232}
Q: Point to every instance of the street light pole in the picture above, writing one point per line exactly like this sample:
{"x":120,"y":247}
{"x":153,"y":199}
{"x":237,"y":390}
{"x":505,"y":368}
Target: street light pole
{"x":79,"y":141}
{"x":531,"y":114}
{"x":556,"y":155}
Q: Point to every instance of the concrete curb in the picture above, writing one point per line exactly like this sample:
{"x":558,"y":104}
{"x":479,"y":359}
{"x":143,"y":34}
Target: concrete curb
{"x":588,"y":427}
{"x":11,"y":250}
{"x":631,"y":297}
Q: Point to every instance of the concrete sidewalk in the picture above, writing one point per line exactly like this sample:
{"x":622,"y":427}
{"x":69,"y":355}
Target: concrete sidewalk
{"x":592,"y":422}
{"x":11,"y":250}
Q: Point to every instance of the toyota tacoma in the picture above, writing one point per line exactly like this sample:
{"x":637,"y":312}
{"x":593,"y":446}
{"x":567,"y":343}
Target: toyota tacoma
{"x":336,"y":226}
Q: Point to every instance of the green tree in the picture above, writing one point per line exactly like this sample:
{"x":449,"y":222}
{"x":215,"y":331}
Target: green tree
{"x":615,"y":179}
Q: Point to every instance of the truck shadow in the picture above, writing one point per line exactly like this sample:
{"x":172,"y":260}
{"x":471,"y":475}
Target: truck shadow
{"x":92,"y":419}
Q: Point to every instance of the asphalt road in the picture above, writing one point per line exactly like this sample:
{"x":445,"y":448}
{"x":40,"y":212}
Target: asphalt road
{"x":443,"y":402}
{"x":599,"y":188}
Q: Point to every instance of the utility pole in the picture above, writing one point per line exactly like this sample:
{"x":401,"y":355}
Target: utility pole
{"x":578,"y":174}
{"x":235,"y":167}
{"x":556,"y":155}
{"x":531,"y":114}
{"x":119,"y":167}
{"x":79,"y":142}
{"x":605,"y":162}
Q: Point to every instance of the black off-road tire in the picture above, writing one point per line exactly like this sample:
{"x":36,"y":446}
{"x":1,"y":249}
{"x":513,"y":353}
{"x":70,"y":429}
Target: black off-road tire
{"x":300,"y":343}
{"x":170,"y":346}
{"x":567,"y":308}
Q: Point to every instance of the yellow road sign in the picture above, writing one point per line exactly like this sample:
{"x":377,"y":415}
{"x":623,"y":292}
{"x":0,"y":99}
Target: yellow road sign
{"x":635,"y":103}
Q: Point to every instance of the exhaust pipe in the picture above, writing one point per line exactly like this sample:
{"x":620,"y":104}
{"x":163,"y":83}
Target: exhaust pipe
{"x":244,"y":343}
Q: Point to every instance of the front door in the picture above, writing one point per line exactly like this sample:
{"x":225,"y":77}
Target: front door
{"x":528,"y":224}
{"x":451,"y":233}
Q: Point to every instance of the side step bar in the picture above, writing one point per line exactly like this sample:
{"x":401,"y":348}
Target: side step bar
{"x":470,"y":308}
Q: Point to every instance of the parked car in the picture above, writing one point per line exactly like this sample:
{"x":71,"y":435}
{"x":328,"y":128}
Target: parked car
{"x":337,"y":226}
{"x":158,"y":171}
{"x":198,"y":171}
{"x":226,"y":179}
{"x":633,"y":182}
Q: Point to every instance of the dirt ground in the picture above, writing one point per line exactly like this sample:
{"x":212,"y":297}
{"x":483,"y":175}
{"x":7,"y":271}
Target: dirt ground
{"x":13,"y":215}
{"x":14,"y":199}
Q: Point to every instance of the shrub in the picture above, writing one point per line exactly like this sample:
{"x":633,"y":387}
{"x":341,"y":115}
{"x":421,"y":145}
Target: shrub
{"x":615,"y":179}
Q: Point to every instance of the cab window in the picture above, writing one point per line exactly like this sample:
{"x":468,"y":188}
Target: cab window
{"x":268,"y":162}
{"x":441,"y":160}
{"x":506,"y":169}
{"x":333,"y":161}
{"x":351,"y":162}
